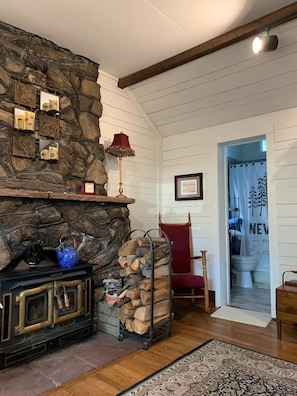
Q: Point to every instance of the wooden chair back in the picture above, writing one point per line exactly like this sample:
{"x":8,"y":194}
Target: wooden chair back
{"x":183,"y":277}
{"x":181,"y":237}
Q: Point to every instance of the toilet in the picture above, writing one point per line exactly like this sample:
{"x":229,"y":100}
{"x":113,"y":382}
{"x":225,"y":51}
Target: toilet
{"x":242,"y":267}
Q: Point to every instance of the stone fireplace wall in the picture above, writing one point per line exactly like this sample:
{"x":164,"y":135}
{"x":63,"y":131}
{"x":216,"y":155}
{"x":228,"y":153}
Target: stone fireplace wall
{"x":26,"y":217}
{"x":30,"y":59}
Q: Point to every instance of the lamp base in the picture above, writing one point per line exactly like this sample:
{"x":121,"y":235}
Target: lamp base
{"x":121,"y":196}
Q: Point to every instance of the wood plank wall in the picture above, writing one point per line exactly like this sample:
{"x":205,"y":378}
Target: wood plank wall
{"x":140,"y":173}
{"x":228,"y":96}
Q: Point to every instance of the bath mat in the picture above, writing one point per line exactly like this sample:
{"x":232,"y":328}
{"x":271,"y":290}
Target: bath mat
{"x":254,"y":318}
{"x":219,"y":368}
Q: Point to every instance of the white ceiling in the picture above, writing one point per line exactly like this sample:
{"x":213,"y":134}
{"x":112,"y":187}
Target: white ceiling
{"x":125,"y":36}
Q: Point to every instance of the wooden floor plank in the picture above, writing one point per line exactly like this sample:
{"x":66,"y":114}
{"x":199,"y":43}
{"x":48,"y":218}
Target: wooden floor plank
{"x":195,"y":328}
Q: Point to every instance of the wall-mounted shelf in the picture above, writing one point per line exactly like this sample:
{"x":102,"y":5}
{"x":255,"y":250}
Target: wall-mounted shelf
{"x":14,"y":193}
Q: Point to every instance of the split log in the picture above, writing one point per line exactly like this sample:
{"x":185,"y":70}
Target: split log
{"x":160,"y":252}
{"x":162,"y":261}
{"x":143,"y":313}
{"x":122,"y":261}
{"x":159,"y":272}
{"x":158,"y":240}
{"x":160,"y":283}
{"x":141,"y":327}
{"x":126,"y":312}
{"x":129,"y":325}
{"x":159,"y":295}
{"x":143,"y":241}
{"x":130,"y":259}
{"x":133,"y":293}
{"x":145,"y":284}
{"x":142,"y":251}
{"x":128,"y":247}
{"x":127,"y":271}
{"x":136,"y":264}
{"x":132,"y":281}
{"x":136,"y":303}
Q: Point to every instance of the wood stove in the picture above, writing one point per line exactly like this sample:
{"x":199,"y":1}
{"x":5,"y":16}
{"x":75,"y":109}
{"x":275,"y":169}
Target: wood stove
{"x":43,"y":309}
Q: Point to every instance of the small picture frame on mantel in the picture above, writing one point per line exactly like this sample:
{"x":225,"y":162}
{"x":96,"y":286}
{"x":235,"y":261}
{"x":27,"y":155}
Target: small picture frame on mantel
{"x":188,"y":187}
{"x":88,"y":187}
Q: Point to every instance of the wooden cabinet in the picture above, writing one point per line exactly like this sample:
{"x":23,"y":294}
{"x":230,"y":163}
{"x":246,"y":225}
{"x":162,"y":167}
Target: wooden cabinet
{"x":286,"y":305}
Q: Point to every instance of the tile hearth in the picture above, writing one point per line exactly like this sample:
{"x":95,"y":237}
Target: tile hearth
{"x":40,"y":375}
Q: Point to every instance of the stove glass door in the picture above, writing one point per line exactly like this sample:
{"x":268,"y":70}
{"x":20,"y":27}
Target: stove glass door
{"x":67,"y":300}
{"x":35,"y":308}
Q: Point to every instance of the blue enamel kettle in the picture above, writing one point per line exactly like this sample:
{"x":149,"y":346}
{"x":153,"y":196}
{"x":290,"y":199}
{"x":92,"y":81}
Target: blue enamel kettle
{"x":67,"y":256}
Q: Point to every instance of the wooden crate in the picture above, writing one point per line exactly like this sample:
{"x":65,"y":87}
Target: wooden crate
{"x":108,"y":319}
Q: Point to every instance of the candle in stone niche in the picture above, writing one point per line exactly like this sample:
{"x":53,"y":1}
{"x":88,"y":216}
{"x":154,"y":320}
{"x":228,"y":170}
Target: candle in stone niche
{"x":20,"y":121}
{"x":26,"y":120}
{"x":44,"y":154}
{"x":53,"y":153}
{"x":45,"y":106}
{"x":29,"y":121}
{"x":53,"y":104}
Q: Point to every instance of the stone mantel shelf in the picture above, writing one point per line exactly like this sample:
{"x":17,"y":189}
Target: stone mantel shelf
{"x":14,"y":193}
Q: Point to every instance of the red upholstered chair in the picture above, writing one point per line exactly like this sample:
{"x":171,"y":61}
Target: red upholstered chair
{"x":184,"y":283}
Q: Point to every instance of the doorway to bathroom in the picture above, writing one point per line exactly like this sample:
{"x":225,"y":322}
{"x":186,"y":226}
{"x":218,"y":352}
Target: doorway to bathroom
{"x":248,"y":231}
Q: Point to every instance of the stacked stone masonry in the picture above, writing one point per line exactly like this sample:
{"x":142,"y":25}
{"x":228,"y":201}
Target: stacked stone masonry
{"x":101,"y":227}
{"x":30,"y":59}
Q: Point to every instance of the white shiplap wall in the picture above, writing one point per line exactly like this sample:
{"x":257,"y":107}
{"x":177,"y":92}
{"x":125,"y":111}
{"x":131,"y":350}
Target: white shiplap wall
{"x":140,"y":173}
{"x":227,"y":97}
{"x":209,"y":223}
{"x":199,"y":108}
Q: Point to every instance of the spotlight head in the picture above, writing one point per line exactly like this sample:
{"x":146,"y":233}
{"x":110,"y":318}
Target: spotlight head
{"x":265,"y":44}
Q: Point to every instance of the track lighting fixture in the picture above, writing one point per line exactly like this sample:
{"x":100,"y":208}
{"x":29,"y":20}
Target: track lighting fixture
{"x":265,"y":43}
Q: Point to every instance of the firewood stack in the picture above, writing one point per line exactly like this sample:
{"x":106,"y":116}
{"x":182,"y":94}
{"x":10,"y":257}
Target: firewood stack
{"x":141,"y":292}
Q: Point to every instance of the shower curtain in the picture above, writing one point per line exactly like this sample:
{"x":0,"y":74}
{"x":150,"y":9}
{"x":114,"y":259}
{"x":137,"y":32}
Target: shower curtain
{"x":248,"y":191}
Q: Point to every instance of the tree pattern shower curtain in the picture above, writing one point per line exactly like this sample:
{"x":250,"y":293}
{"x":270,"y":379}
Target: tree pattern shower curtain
{"x":248,"y":191}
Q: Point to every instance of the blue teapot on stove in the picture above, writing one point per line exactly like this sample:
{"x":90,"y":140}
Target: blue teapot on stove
{"x":67,"y":256}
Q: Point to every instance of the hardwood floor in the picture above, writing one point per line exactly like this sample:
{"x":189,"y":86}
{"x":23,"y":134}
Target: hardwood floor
{"x":191,"y":328}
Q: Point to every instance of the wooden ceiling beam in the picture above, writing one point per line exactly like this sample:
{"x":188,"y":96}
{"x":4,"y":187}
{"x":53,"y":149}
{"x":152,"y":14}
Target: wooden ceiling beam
{"x":233,"y":36}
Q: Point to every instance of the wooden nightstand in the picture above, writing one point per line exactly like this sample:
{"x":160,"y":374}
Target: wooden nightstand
{"x":286,"y":303}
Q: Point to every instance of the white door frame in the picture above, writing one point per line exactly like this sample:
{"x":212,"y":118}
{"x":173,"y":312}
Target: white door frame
{"x":224,"y":296}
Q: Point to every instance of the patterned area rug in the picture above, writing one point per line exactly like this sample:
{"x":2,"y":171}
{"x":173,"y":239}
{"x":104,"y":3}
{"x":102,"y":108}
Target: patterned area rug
{"x":217,"y":368}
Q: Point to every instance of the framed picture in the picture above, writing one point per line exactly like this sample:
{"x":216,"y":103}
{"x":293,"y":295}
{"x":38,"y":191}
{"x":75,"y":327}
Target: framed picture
{"x":188,"y":187}
{"x":88,"y":187}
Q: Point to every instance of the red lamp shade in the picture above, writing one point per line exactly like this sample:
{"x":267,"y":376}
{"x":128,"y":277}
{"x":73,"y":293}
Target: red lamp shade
{"x":120,"y":146}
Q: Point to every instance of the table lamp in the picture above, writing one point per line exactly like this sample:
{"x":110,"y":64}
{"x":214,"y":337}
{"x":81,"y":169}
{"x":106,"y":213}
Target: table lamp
{"x":120,"y":148}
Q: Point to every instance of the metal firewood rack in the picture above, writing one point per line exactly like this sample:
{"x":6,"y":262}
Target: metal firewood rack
{"x":163,"y":328}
